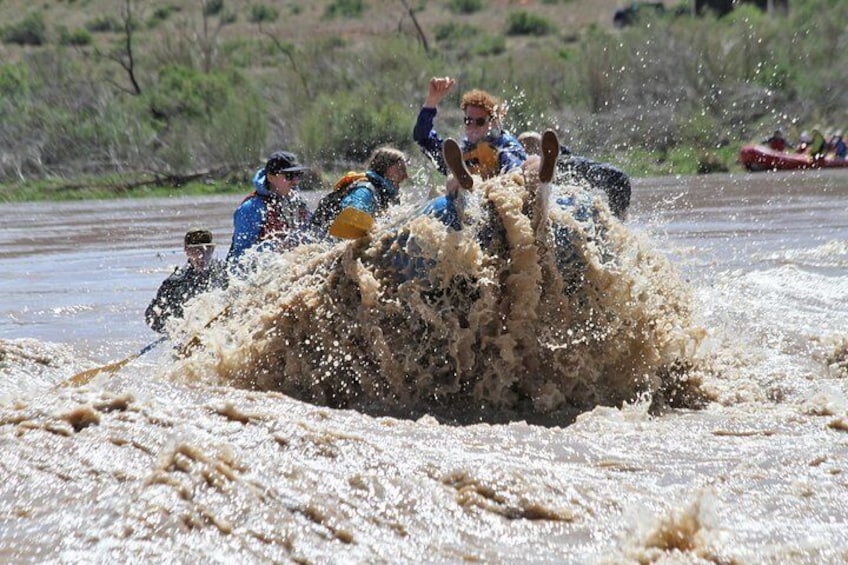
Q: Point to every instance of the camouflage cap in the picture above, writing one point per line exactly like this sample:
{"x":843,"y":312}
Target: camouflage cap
{"x":198,"y":237}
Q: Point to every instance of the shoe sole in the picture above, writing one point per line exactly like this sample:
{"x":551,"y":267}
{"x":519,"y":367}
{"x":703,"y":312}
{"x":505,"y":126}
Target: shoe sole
{"x":550,"y":153}
{"x":453,"y":159}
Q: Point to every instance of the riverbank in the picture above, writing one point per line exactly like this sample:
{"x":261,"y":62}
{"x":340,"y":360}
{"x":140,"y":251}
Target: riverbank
{"x":637,"y":164}
{"x":222,"y":88}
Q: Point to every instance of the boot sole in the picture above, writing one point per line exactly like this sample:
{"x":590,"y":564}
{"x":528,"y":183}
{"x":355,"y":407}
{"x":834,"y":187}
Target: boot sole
{"x":550,"y":153}
{"x":453,"y":159}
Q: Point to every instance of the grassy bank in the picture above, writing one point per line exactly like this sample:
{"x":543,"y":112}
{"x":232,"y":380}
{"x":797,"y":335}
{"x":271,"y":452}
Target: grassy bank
{"x":112,"y":94}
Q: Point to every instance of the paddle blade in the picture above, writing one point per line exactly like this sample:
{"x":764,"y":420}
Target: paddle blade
{"x":85,"y":377}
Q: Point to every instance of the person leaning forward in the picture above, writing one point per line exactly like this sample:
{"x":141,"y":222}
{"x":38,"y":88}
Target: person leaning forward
{"x":349,"y":211}
{"x":273,"y":210}
{"x":201,"y":273}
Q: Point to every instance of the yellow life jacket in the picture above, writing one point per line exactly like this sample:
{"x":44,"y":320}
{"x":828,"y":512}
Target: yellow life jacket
{"x":482,"y":160}
{"x":349,"y":223}
{"x":348,"y":179}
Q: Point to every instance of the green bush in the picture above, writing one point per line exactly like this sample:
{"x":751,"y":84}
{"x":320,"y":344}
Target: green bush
{"x":525,"y":23}
{"x":452,"y":31}
{"x":341,"y":130}
{"x":344,"y":9}
{"x":161,"y":14}
{"x":488,"y":45}
{"x":187,"y":93}
{"x":263,"y":14}
{"x":238,"y":131}
{"x":29,"y":31}
{"x":213,"y":7}
{"x":78,"y":37}
{"x":104,"y":24}
{"x":465,"y":6}
{"x":14,"y":81}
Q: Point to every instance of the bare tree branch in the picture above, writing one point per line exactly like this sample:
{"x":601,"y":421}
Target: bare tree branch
{"x":125,"y":57}
{"x":288,"y":51}
{"x":420,"y":31}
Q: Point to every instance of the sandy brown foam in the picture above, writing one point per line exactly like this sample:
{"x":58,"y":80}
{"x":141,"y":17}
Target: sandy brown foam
{"x":525,"y":311}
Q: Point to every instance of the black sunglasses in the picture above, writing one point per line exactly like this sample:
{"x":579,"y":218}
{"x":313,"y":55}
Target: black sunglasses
{"x":290,"y":176}
{"x":476,"y":121}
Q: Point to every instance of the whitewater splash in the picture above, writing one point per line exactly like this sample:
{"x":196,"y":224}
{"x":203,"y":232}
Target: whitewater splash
{"x":540,"y":305}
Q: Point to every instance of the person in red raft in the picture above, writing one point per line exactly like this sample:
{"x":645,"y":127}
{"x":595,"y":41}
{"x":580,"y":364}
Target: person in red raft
{"x":777,"y":141}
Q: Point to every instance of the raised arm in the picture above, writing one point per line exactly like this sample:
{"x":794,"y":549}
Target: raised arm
{"x":437,"y":90}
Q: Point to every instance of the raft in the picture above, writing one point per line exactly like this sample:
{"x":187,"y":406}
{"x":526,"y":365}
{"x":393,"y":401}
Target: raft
{"x":757,"y":157}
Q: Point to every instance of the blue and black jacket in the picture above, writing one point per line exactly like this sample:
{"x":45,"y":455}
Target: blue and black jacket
{"x":266,"y":218}
{"x":506,"y":151}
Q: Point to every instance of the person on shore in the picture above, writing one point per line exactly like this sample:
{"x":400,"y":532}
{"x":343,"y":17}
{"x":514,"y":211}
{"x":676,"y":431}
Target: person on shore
{"x":201,"y":273}
{"x":487,"y":149}
{"x":600,"y":176}
{"x":273,"y":210}
{"x":358,"y":198}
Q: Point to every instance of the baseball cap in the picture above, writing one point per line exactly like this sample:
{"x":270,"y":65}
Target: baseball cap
{"x":283,"y":162}
{"x":198,"y":237}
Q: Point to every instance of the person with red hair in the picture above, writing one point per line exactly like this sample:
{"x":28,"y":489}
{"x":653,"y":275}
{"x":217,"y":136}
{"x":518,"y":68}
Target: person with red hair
{"x":487,"y":149}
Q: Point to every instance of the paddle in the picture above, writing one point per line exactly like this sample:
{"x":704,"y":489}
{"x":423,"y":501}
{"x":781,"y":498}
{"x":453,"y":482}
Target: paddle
{"x":186,"y":349}
{"x":112,"y":368}
{"x":86,"y":376}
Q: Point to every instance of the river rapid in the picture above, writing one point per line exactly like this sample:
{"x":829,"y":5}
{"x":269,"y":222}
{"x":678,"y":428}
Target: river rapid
{"x":257,"y":447}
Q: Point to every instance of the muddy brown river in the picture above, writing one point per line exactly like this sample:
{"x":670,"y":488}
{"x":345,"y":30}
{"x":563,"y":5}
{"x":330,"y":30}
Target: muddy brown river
{"x":180,"y":461}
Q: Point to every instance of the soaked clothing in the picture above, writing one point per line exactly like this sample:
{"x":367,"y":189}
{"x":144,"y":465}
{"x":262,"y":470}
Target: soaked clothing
{"x":600,"y":176}
{"x":185,"y":283}
{"x":265,"y":218}
{"x":495,"y":154}
{"x":817,"y":145}
{"x":444,"y":209}
{"x":350,"y":210}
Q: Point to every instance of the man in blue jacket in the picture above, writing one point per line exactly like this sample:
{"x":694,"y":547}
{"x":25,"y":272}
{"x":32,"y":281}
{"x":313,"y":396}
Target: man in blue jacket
{"x":487,"y":149}
{"x":273,"y":210}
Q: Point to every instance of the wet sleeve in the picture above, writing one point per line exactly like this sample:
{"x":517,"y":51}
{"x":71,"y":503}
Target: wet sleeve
{"x":511,"y":153}
{"x":247,"y":224}
{"x":443,"y":208}
{"x":427,"y":138}
{"x":162,"y":307}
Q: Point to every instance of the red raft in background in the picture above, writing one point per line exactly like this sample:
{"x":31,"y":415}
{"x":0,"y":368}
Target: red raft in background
{"x":757,"y":157}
